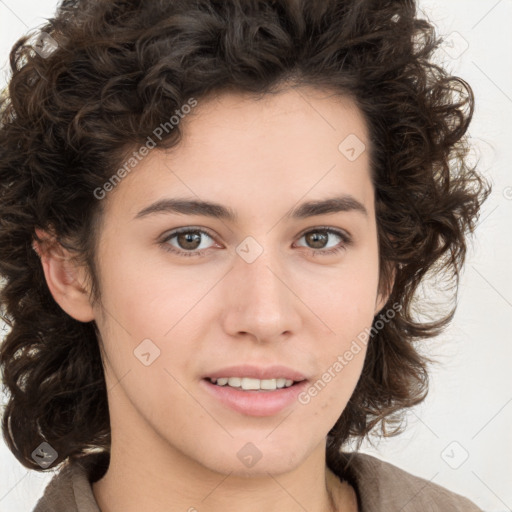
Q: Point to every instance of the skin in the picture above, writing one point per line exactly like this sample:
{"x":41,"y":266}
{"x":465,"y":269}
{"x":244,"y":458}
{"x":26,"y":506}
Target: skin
{"x":173,"y":446}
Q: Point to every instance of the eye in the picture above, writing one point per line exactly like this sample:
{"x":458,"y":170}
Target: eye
{"x":318,"y":238}
{"x":188,"y":239}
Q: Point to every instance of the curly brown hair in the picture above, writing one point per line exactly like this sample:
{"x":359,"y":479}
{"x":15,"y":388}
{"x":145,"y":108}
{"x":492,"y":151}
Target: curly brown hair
{"x":72,"y":112}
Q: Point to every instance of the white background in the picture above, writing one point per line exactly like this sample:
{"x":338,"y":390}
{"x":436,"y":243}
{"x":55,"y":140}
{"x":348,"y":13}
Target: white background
{"x":469,"y":409}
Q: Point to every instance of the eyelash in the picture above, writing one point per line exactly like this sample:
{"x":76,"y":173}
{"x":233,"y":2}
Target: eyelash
{"x":346,"y":241}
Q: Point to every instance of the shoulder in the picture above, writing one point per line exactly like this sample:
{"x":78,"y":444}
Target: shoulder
{"x":381,"y":486}
{"x":70,"y":489}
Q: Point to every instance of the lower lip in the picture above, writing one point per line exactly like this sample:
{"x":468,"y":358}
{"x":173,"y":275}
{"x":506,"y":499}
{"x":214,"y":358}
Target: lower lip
{"x":253,"y":402}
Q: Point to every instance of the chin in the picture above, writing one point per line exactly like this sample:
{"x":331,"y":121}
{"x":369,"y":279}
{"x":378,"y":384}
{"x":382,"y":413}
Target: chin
{"x":253,"y":459}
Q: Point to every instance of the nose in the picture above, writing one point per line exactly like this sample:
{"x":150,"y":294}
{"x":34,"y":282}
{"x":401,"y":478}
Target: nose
{"x":259,"y":300}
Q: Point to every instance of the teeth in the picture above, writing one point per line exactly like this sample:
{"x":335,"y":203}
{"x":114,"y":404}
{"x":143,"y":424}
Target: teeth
{"x":248,"y":383}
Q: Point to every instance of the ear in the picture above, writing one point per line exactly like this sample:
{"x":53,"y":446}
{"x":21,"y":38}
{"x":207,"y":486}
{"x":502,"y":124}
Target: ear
{"x":63,"y":277}
{"x":385,"y":291}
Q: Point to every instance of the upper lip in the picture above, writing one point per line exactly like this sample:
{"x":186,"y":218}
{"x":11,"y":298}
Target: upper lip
{"x":258,"y":372}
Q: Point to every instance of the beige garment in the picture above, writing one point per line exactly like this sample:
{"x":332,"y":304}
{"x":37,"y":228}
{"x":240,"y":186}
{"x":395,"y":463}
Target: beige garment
{"x":380,"y":487}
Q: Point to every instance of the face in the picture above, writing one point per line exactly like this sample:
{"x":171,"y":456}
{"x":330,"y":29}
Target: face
{"x":266,"y":287}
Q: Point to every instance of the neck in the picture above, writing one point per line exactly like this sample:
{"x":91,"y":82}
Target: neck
{"x":161,"y":480}
{"x":149,"y":471}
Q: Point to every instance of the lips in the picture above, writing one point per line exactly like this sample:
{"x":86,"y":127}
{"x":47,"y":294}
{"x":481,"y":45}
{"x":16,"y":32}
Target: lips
{"x":254,"y":403}
{"x":257,"y":372}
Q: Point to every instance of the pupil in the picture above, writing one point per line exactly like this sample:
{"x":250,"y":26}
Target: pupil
{"x":315,"y":237}
{"x":186,"y":240}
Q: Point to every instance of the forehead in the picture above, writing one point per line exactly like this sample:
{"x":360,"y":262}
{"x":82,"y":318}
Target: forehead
{"x":301,"y":110}
{"x":238,"y":148}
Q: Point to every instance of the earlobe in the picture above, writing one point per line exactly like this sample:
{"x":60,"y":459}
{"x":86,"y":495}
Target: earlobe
{"x":379,"y":303}
{"x":64,"y":278}
{"x":383,"y":296}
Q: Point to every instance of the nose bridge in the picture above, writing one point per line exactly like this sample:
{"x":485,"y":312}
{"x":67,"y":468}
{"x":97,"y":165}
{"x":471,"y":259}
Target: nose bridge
{"x":260,"y":301}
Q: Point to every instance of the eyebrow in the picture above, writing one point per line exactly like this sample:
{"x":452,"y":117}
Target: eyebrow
{"x":343,"y":203}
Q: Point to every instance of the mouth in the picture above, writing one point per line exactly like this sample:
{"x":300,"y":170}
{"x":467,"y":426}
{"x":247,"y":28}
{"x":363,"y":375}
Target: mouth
{"x":249,"y":384}
{"x":255,"y":401}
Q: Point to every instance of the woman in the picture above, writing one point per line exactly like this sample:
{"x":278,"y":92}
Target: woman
{"x":215,"y":216}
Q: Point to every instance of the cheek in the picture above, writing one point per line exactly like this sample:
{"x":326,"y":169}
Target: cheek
{"x":345,"y":302}
{"x":149,"y":318}
{"x":340,"y":356}
{"x":346,"y":308}
{"x":145,"y":298}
